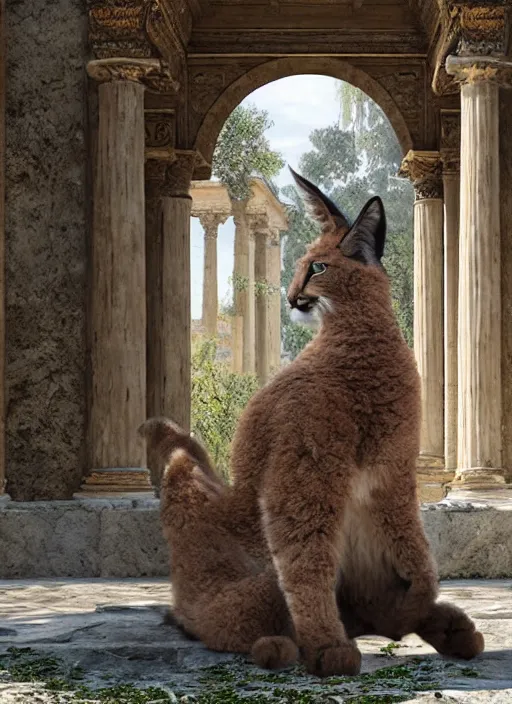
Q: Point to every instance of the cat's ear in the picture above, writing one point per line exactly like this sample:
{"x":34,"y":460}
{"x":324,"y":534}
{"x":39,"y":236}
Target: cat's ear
{"x":320,"y":207}
{"x":366,"y":238}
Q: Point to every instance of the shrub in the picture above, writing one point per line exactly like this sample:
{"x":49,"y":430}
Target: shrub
{"x":218,"y":398}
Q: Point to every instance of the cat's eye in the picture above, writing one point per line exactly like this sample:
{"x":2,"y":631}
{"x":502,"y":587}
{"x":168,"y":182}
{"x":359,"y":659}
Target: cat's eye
{"x":317,"y":268}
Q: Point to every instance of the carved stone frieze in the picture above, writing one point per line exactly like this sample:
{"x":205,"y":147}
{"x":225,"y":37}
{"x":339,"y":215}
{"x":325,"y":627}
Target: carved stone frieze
{"x":470,"y":28}
{"x":118,"y":29}
{"x":141,"y":29}
{"x":405,"y":86}
{"x":450,"y":141}
{"x":160,"y":133}
{"x":425,"y":170}
{"x":289,"y":41}
{"x":482,"y":29}
{"x":165,"y":29}
{"x":154,"y":74}
{"x":206,"y":84}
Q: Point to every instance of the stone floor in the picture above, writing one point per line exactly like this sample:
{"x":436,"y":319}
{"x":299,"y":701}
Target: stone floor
{"x":113,"y":630}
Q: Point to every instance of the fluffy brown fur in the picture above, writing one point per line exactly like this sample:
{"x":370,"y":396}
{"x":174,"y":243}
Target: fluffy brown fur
{"x":319,"y":538}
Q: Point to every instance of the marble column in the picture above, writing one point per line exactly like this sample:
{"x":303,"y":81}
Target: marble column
{"x":243,"y":324}
{"x":210,"y":223}
{"x":274,"y":301}
{"x":117,"y":304}
{"x":450,"y":154}
{"x":424,"y":169}
{"x":168,"y":282}
{"x":479,"y":462}
{"x":259,"y":228}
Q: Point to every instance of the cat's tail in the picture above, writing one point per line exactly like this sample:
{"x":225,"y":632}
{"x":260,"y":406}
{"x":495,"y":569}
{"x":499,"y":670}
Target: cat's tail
{"x":163,"y":438}
{"x":189,"y":486}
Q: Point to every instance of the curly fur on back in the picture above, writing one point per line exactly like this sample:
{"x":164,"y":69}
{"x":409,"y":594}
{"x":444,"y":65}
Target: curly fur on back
{"x":318,"y":540}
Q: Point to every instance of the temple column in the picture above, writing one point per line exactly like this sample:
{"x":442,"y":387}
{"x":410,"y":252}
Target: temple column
{"x":274,"y":301}
{"x":117,"y":303}
{"x":479,"y":462}
{"x":210,"y":223}
{"x":424,"y":169}
{"x":243,"y":293}
{"x":259,"y":228}
{"x":450,"y":154}
{"x":168,"y":281}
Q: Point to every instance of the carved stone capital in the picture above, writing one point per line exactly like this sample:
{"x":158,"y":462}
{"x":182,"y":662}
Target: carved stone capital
{"x":160,"y":134}
{"x":210,"y":223}
{"x":170,"y":179}
{"x":476,"y":28}
{"x":482,"y":28}
{"x":153,"y":74}
{"x":275,"y":237}
{"x":450,"y":141}
{"x":480,"y":69}
{"x":258,"y":224}
{"x":425,"y":170}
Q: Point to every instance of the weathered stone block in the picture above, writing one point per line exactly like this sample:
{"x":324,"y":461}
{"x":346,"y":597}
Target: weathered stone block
{"x":123,"y":538}
{"x":132,"y":544}
{"x":49,"y":539}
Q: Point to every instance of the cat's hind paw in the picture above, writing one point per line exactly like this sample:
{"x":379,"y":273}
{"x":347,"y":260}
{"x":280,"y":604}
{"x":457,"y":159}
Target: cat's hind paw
{"x":336,"y":659}
{"x":275,"y":652}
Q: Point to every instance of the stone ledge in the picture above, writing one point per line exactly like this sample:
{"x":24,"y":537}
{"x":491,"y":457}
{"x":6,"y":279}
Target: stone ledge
{"x":122,"y":538}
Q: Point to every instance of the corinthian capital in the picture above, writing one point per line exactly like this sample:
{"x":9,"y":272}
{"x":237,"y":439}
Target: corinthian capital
{"x":425,"y":170}
{"x":153,"y":74}
{"x":170,"y":179}
{"x":475,"y":29}
{"x":210,"y":222}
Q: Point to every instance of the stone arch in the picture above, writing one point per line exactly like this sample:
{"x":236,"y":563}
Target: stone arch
{"x":270,"y":71}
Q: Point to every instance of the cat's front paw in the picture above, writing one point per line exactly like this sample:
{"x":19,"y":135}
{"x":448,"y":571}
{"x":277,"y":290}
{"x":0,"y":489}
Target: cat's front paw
{"x":336,"y":659}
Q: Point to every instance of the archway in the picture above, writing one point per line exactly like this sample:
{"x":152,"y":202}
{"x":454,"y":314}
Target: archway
{"x":270,"y":71}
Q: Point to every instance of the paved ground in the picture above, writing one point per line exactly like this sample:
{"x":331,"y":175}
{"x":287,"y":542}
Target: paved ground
{"x":113,"y":631}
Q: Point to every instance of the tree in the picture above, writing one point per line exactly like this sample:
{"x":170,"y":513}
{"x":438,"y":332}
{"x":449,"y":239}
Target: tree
{"x":243,"y":150}
{"x":352,"y":161}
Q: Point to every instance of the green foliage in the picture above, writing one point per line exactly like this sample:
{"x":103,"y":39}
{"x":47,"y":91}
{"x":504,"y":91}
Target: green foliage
{"x":389,"y":649}
{"x":351,"y":162}
{"x":243,"y":150}
{"x":218,"y":398}
{"x":236,"y":682}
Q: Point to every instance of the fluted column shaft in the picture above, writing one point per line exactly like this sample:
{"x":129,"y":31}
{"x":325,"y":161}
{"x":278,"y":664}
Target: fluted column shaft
{"x":210,"y":223}
{"x":259,"y":228}
{"x":118,"y":311}
{"x":451,"y":184}
{"x":169,"y":325}
{"x":243,"y":327}
{"x":274,"y":301}
{"x":424,"y":169}
{"x":479,"y":323}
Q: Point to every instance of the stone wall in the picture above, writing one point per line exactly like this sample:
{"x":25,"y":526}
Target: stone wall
{"x":46,"y":197}
{"x":123,"y":538}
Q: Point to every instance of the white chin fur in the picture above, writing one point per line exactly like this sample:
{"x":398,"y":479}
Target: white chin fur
{"x":309,"y":319}
{"x":313,"y":317}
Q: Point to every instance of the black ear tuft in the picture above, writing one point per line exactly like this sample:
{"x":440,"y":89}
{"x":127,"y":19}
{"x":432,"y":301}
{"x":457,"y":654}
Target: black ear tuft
{"x":319,"y":206}
{"x":366,"y":239}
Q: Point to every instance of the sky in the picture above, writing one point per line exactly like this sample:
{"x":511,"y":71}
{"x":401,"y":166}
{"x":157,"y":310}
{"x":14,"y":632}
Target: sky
{"x":296,"y":105}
